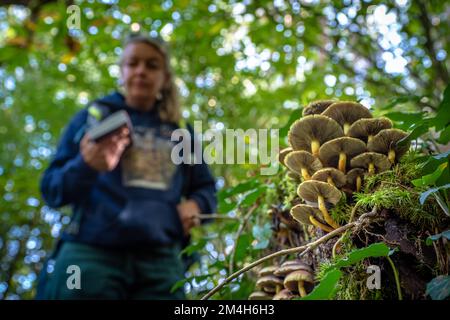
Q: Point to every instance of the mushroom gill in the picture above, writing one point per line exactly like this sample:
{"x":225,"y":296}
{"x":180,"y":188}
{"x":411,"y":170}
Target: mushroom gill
{"x":322,"y":193}
{"x":308,"y":133}
{"x":303,"y":163}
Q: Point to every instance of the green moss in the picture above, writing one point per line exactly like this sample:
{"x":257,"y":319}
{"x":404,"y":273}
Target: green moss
{"x":288,"y":190}
{"x":341,"y":212}
{"x":353,"y":286}
{"x":393,"y":190}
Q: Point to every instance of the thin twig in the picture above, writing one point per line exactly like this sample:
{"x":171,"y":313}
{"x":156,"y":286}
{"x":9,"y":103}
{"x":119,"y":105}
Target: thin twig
{"x":238,"y":235}
{"x":301,"y":249}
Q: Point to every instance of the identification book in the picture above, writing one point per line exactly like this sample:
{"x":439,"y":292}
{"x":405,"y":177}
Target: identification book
{"x":110,"y":124}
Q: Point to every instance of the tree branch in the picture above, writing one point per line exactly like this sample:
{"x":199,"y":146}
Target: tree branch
{"x":302,"y":249}
{"x":429,"y":43}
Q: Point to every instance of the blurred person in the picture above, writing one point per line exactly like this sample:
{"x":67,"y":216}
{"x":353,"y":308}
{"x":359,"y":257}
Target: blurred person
{"x":133,"y":208}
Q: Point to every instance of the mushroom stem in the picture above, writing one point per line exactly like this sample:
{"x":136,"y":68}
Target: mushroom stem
{"x":358,"y":183}
{"x":371,"y":168}
{"x":315,"y":145}
{"x":301,"y":289}
{"x":330,"y":181}
{"x":305,"y":174}
{"x":346,"y":128}
{"x":277,"y":288}
{"x":325,"y":213}
{"x":320,"y":225}
{"x":369,"y":138}
{"x":342,"y":162}
{"x":391,"y":156}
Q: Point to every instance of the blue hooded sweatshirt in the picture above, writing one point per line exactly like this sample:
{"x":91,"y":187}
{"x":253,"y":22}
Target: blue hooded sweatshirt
{"x":133,"y":205}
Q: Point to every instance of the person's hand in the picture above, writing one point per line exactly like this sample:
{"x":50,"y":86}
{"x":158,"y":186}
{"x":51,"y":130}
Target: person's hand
{"x":189,"y":214}
{"x":105,"y":154}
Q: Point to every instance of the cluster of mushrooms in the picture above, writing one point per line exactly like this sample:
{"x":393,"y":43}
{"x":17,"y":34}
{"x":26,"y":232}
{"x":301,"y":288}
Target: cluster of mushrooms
{"x":332,"y":148}
{"x":291,"y":279}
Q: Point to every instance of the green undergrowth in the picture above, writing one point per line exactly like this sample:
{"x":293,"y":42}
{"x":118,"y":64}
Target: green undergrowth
{"x":393,"y":190}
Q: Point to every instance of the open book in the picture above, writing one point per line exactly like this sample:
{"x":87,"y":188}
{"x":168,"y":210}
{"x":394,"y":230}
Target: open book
{"x":110,"y":124}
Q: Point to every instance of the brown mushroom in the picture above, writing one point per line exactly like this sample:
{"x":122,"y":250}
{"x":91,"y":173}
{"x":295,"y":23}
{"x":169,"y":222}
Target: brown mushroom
{"x":386,"y":142}
{"x":284,"y":294}
{"x":270,"y":284}
{"x":321,"y":192}
{"x":354,"y":178}
{"x":260,"y":295}
{"x":311,"y":131}
{"x":347,"y":112}
{"x":365,"y":129}
{"x":309,"y":215}
{"x":295,"y":281}
{"x":291,"y":266}
{"x":339,"y":151}
{"x":330,"y":175}
{"x":317,"y":107}
{"x":303,"y":163}
{"x":282,"y":155}
{"x":371,"y":161}
{"x":267,"y":271}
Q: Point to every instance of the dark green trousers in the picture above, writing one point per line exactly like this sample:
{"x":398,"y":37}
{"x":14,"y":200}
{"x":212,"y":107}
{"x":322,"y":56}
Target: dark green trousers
{"x":113,"y":274}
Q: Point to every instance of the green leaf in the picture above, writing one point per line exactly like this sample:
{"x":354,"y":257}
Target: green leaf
{"x":441,"y":203}
{"x":180,"y":283}
{"x":240,"y":188}
{"x":251,"y":197}
{"x":431,"y":178}
{"x":426,"y":194}
{"x":327,"y":287}
{"x":400,"y":100}
{"x":430,"y":239}
{"x":295,"y":115}
{"x":190,"y":249}
{"x":444,"y":137}
{"x":442,"y":118}
{"x":242,"y":246}
{"x":415,"y":133}
{"x":262,"y":235}
{"x":439,"y":288}
{"x":379,"y":249}
{"x":226,"y":205}
{"x":406,"y":120}
{"x":442,"y":155}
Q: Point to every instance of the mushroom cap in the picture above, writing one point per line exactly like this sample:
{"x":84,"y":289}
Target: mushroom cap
{"x":311,"y":189}
{"x":380,"y":161}
{"x":313,"y":127}
{"x":269,"y":283}
{"x":329,"y":151}
{"x":365,"y":127}
{"x":292,"y":279}
{"x":267,"y":271}
{"x":284,"y":294}
{"x":291,"y":266}
{"x":296,"y":160}
{"x":387,"y":140}
{"x":302,"y":212}
{"x":317,"y":107}
{"x":282,"y":155}
{"x":347,"y":112}
{"x":353,"y":174}
{"x":260,"y":295}
{"x":337,"y":176}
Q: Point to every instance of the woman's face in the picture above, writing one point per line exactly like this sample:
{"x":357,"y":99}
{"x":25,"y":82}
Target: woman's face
{"x":143,"y":72}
